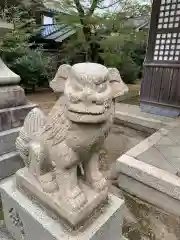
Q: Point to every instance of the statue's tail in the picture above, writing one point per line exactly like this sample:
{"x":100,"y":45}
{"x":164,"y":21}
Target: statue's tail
{"x":33,"y":126}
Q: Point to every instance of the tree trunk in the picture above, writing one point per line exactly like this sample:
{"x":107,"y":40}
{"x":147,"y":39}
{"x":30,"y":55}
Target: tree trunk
{"x":92,"y":47}
{"x":87,"y":36}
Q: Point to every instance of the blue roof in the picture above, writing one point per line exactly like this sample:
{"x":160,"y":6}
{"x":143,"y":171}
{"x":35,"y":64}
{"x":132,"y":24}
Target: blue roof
{"x":57,"y":32}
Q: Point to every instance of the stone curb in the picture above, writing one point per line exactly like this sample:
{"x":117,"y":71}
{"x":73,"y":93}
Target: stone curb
{"x":154,"y":177}
{"x":147,"y":143}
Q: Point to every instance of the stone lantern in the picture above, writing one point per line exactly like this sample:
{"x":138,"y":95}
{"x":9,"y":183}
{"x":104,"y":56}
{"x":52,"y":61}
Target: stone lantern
{"x":14,"y":107}
{"x":11,"y":94}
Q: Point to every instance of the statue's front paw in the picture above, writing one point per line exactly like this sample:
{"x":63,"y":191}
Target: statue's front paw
{"x":50,"y":187}
{"x":100,"y":184}
{"x":48,"y":182}
{"x":78,"y":202}
{"x":77,"y":199}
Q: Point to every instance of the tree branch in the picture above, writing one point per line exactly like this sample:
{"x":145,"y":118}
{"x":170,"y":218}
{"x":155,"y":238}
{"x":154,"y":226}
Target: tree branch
{"x":110,"y":5}
{"x":79,"y":8}
{"x":93,"y":7}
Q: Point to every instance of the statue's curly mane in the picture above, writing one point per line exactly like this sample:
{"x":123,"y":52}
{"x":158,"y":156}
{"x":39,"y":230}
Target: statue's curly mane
{"x":57,"y":124}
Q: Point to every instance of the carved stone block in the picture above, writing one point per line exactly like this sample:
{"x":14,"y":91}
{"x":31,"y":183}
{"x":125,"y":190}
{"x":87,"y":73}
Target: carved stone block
{"x":26,"y":219}
{"x":61,"y":206}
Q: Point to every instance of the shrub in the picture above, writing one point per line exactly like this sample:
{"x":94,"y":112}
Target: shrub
{"x":33,"y":66}
{"x":35,"y":69}
{"x":126,"y":52}
{"x":128,"y":69}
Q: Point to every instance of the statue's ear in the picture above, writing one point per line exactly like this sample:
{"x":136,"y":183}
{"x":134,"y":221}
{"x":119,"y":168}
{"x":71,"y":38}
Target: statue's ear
{"x":58,"y":83}
{"x":118,"y":87}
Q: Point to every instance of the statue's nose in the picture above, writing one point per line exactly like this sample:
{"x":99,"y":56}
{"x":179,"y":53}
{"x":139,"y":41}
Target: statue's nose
{"x":87,"y":95}
{"x":87,"y":92}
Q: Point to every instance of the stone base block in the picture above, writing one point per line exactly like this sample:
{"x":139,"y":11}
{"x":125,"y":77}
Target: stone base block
{"x":61,"y":207}
{"x":14,"y":117}
{"x":12,"y":96}
{"x":9,"y":164}
{"x":11,"y":119}
{"x":26,"y":219}
{"x":7,"y":140}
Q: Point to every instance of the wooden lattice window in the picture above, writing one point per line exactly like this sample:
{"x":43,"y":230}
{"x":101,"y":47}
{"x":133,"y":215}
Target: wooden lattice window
{"x":167,"y":46}
{"x":169,"y":14}
{"x":166,"y":32}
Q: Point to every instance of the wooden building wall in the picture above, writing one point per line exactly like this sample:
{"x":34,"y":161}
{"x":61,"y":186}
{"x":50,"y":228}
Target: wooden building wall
{"x":161,"y":81}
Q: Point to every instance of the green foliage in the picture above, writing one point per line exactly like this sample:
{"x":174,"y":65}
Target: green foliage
{"x":128,"y":68}
{"x":34,"y":67}
{"x":126,"y":52}
{"x":16,"y":43}
{"x":106,"y":37}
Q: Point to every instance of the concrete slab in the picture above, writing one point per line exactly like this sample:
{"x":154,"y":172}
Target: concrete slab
{"x":166,"y":141}
{"x":147,"y":143}
{"x":170,"y":151}
{"x":35,"y":222}
{"x":155,"y":158}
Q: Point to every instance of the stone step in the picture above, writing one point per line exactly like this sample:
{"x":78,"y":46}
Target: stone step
{"x":7,"y":140}
{"x":9,"y":164}
{"x":14,"y":117}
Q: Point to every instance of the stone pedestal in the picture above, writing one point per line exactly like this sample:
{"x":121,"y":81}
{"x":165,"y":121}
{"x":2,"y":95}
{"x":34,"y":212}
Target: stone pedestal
{"x":25,"y":180}
{"x":26,"y":219}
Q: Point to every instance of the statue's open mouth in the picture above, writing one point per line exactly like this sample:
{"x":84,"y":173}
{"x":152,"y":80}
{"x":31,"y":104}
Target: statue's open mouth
{"x":86,"y":108}
{"x":86,"y":113}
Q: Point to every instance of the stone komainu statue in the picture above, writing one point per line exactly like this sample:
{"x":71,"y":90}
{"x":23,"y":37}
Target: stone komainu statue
{"x":71,"y":137}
